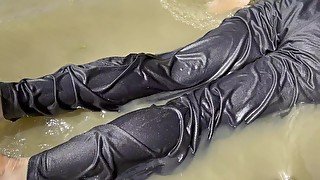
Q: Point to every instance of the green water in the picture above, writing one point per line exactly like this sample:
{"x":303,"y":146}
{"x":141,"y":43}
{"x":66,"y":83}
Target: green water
{"x":37,"y":37}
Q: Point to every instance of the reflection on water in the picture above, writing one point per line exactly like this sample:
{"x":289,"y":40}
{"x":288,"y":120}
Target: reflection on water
{"x":37,"y":37}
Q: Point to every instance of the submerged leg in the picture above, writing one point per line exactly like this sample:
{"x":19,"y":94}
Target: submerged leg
{"x":146,"y":141}
{"x":158,"y":138}
{"x":111,"y":82}
{"x":132,"y":146}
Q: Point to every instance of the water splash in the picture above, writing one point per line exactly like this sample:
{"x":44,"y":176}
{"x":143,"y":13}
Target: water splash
{"x":57,"y":127}
{"x":193,"y":12}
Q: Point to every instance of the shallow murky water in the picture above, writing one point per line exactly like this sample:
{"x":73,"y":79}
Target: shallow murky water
{"x":37,"y":37}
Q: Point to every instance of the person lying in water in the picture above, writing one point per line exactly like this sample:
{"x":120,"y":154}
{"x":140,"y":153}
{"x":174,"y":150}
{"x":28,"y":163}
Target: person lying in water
{"x":265,"y":59}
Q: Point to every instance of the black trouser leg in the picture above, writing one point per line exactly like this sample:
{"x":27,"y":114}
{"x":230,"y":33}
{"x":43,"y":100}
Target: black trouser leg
{"x":133,"y":145}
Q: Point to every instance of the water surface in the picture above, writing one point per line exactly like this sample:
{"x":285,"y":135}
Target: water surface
{"x":37,"y":37}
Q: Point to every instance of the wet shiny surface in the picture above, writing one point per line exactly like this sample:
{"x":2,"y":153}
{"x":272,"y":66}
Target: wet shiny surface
{"x":270,"y":148}
{"x":38,"y":37}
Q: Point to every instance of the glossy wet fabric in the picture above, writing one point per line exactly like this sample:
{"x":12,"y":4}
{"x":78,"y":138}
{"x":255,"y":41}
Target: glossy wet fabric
{"x":264,"y":59}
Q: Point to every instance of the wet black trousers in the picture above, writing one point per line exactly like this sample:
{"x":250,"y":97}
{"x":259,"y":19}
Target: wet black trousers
{"x":264,"y":59}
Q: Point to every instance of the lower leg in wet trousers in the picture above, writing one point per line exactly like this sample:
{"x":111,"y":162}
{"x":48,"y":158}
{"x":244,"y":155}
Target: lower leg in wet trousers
{"x":134,"y":145}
